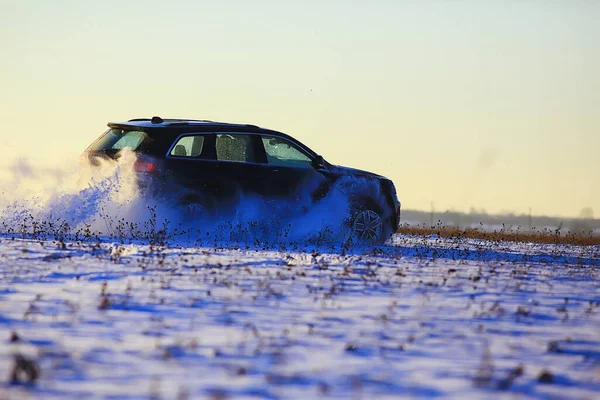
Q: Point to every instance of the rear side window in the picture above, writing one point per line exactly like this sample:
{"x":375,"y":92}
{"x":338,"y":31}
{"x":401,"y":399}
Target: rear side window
{"x":119,"y":139}
{"x":235,"y":148}
{"x":188,"y":146}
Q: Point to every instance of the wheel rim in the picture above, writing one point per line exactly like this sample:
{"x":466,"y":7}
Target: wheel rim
{"x":368,"y":225}
{"x":195,"y":210}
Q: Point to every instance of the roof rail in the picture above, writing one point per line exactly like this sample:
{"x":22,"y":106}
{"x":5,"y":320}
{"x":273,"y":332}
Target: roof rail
{"x":172,"y":120}
{"x":189,"y":120}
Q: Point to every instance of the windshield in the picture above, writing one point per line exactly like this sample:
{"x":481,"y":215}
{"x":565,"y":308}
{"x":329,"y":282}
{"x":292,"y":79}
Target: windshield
{"x":118,"y":139}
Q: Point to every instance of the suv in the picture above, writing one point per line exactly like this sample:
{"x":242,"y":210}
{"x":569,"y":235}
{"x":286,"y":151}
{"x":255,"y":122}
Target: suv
{"x":205,"y":165}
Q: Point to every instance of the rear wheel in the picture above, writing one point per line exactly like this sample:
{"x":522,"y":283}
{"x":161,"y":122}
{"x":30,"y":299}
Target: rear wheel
{"x":195,"y":210}
{"x":194,"y":207}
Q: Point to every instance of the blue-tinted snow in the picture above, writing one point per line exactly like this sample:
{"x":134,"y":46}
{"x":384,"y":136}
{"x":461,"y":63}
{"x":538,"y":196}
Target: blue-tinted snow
{"x":108,"y":306}
{"x":417,"y":318}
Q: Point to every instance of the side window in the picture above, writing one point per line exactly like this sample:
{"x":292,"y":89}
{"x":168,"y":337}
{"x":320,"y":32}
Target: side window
{"x":282,"y":151}
{"x":235,"y":147}
{"x":188,"y":146}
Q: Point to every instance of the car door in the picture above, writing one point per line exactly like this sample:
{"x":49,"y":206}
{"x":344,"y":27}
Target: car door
{"x":241,"y":165}
{"x":292,"y":174}
{"x":191,"y":167}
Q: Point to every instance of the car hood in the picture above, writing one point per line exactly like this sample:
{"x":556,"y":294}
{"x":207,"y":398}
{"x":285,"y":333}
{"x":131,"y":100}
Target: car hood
{"x":356,"y":172}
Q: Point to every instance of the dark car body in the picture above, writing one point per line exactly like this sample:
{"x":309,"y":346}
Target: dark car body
{"x":212,"y":163}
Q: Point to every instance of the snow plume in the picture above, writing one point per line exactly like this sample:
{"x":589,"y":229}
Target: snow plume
{"x":289,"y":223}
{"x":64,"y":198}
{"x":104,"y":202}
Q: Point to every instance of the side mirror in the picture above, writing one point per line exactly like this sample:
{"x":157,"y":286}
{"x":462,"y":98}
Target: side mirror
{"x":319,"y":162}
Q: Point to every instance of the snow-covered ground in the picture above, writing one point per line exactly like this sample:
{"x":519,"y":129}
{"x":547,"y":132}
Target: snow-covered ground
{"x":420,"y":317}
{"x":96,"y":301}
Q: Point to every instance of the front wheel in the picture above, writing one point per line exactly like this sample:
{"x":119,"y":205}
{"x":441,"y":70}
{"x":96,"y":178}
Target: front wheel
{"x":368,"y":226}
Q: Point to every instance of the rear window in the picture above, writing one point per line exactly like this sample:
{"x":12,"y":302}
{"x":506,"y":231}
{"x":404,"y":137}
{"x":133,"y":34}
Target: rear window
{"x":118,"y":139}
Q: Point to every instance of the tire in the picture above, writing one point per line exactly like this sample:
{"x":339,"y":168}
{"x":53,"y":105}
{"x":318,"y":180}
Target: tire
{"x":369,"y":224}
{"x":193,"y":207}
{"x":195,"y":210}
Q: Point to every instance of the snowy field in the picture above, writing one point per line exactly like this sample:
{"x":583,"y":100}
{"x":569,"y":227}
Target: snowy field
{"x":420,"y":317}
{"x":104,"y":296}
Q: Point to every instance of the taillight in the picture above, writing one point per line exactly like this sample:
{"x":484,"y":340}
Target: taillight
{"x":146,"y":167}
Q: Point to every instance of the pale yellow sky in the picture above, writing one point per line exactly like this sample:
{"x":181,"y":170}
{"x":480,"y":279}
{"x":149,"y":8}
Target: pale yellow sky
{"x":486,"y":104}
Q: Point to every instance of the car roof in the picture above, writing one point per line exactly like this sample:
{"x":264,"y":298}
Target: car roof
{"x":188,"y":125}
{"x":157,"y":122}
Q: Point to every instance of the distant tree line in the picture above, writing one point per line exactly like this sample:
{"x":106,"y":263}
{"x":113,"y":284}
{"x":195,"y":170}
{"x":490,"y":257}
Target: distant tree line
{"x":480,"y":219}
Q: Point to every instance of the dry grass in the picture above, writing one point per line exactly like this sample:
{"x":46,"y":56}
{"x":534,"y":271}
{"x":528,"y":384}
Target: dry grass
{"x":546,"y":236}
